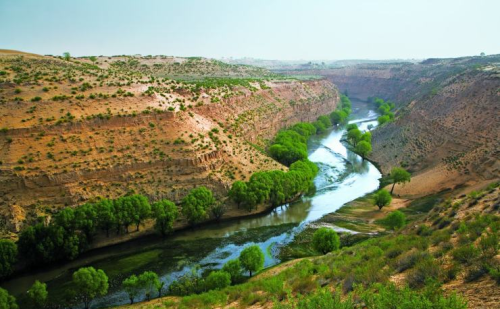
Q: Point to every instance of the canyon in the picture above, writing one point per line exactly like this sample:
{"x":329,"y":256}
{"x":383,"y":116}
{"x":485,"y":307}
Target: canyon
{"x":446,"y":131}
{"x":119,"y":125}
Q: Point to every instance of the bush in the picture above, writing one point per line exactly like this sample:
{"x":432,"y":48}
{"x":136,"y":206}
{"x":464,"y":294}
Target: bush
{"x":233,"y":268}
{"x":465,"y":254}
{"x":409,"y":259}
{"x":495,"y":273}
{"x":326,"y":240}
{"x":395,"y":220}
{"x":475,"y":272}
{"x":424,"y":270}
{"x":489,"y":245}
{"x":388,"y":296}
{"x":217,"y":280}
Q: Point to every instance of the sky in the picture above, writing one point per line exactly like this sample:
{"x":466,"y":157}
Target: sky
{"x":264,"y":29}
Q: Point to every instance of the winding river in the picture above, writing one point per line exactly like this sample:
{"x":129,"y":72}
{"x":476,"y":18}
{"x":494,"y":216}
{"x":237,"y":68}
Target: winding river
{"x":343,"y":177}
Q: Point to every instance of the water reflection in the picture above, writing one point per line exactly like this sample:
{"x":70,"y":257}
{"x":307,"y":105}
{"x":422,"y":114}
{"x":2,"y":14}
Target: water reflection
{"x":343,"y":176}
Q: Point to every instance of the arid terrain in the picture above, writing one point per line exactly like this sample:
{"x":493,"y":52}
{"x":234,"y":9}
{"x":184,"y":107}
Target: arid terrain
{"x":447,"y":126}
{"x":73,"y":130}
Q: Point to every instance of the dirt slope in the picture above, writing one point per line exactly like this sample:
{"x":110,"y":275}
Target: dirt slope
{"x":74,"y":130}
{"x":447,"y":128}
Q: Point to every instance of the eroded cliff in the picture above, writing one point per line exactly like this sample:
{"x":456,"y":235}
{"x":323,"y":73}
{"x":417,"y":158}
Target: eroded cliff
{"x":73,"y":132}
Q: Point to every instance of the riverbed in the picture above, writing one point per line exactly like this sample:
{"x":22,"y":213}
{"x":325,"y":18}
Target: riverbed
{"x":343,"y":176}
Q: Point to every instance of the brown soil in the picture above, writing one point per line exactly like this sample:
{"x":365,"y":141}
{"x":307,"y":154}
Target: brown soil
{"x":111,"y":135}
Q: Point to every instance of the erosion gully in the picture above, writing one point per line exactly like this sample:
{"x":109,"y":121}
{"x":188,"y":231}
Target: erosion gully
{"x":343,"y":176}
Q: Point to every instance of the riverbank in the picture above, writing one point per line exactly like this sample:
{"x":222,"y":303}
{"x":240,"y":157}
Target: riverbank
{"x":343,"y":176}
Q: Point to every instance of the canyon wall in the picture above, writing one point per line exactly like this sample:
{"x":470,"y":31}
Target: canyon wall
{"x":446,"y":130}
{"x":160,"y":154}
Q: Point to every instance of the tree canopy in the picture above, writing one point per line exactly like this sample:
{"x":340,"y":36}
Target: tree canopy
{"x":89,"y":283}
{"x":326,"y":240}
{"x":149,"y":282}
{"x":217,"y":280}
{"x":8,"y":256}
{"x":252,"y":259}
{"x":196,"y":204}
{"x":395,"y":220}
{"x":233,"y":268}
{"x":382,"y":198}
{"x":132,"y":287}
{"x":165,"y":212}
{"x":38,"y":294}
{"x":399,"y":175}
{"x":363,"y":148}
{"x":7,"y":301}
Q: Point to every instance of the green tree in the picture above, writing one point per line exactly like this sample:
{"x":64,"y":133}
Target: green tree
{"x":399,"y":175}
{"x":320,"y":126}
{"x":106,"y":218}
{"x":325,"y":120}
{"x":165,"y":213}
{"x":382,"y":198}
{"x":363,"y":148}
{"x":367,"y":137}
{"x":93,"y":59}
{"x":252,"y":259}
{"x":305,"y":129}
{"x":90,"y":283}
{"x":7,"y":301}
{"x":338,"y":117}
{"x":326,"y":240}
{"x":238,"y":192}
{"x":141,"y":209}
{"x":149,"y":282}
{"x":124,"y":211}
{"x":217,"y":280}
{"x":38,"y":294}
{"x":65,"y":218}
{"x":218,"y":210}
{"x":86,"y":220}
{"x":395,"y":220}
{"x":383,"y":119}
{"x":196,"y":204}
{"x":67,"y":56}
{"x":8,"y":256}
{"x":354,"y":136}
{"x":233,"y":268}
{"x":132,"y":287}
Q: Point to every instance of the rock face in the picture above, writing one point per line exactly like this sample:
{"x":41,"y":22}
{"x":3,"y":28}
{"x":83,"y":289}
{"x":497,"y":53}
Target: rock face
{"x":447,"y":127}
{"x":146,"y":142}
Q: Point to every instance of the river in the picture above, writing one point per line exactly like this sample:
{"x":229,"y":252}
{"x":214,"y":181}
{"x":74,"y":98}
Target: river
{"x":343,"y":177}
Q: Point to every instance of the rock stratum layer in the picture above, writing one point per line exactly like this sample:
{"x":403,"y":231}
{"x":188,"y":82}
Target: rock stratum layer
{"x":75,"y":130}
{"x":446,"y":129}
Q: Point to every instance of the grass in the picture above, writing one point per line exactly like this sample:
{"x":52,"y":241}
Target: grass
{"x":128,"y":264}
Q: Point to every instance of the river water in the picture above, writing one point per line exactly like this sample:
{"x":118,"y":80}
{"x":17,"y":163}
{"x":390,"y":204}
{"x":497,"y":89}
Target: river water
{"x":343,"y":177}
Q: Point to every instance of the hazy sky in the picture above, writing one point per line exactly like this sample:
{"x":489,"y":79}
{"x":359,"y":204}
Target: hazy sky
{"x":268,"y":29}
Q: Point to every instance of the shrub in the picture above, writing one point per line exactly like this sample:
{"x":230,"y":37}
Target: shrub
{"x":489,"y":245}
{"x":495,"y":273}
{"x":475,"y":272}
{"x":409,"y":259}
{"x":217,"y":280}
{"x":233,"y":268}
{"x":425,"y":269}
{"x":465,"y":254}
{"x":326,"y":240}
{"x":395,"y":220}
